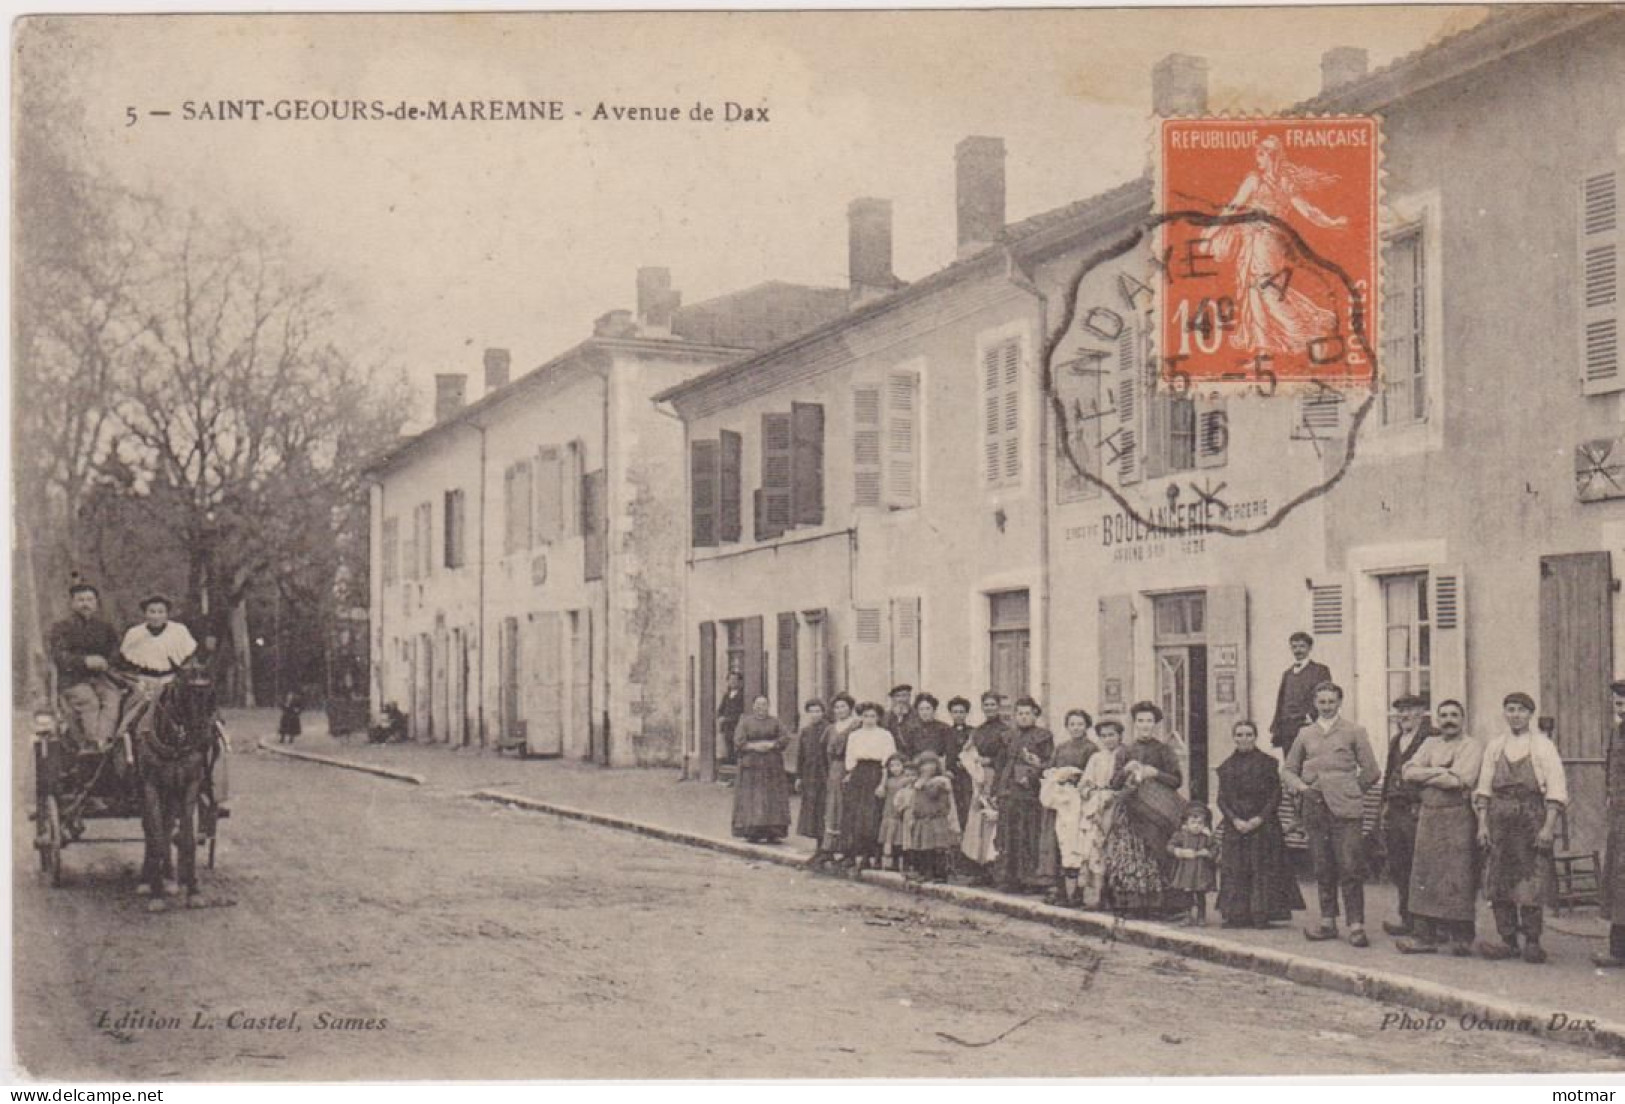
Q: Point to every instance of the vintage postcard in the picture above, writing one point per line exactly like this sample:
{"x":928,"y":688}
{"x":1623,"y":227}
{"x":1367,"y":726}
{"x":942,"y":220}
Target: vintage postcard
{"x":715,"y":545}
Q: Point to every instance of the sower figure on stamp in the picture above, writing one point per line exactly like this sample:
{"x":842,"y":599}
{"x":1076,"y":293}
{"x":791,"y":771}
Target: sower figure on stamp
{"x":1401,"y":802}
{"x":1330,"y":767}
{"x":1444,"y":872}
{"x":83,"y":646}
{"x":1295,"y":700}
{"x":1613,"y":879}
{"x":1521,"y":790}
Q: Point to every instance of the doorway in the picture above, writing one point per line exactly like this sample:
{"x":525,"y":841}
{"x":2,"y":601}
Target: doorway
{"x":1009,"y":643}
{"x":1180,"y":645}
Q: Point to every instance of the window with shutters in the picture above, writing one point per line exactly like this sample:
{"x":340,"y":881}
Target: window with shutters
{"x":1326,"y":610}
{"x":1408,"y":631}
{"x":1123,"y":444}
{"x":905,"y":640}
{"x":455,"y":526}
{"x":391,"y":550}
{"x":1599,"y":262}
{"x":1404,"y":327}
{"x":866,"y":488}
{"x":1001,"y":413}
{"x":704,"y":478}
{"x":868,"y":628}
{"x":773,"y":516}
{"x":902,"y":439}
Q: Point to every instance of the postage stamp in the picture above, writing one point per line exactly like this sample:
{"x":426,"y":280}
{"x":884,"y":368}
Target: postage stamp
{"x":1269,"y":237}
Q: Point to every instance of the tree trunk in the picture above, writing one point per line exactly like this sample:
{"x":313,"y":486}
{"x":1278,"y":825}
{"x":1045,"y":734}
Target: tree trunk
{"x":242,"y":652}
{"x":31,"y":679}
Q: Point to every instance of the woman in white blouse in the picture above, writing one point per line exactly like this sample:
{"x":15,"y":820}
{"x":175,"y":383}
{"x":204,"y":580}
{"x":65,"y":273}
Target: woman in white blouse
{"x":867,"y":749}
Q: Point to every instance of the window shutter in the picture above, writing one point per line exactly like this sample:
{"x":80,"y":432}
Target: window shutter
{"x":902,"y":440}
{"x":776,"y":465}
{"x":1321,"y":415}
{"x":1212,"y":432}
{"x":703,"y":480}
{"x":507,"y":509}
{"x":1599,"y":281}
{"x":866,"y":446}
{"x":1447,"y":595}
{"x":1010,"y":359}
{"x":575,"y":465}
{"x":992,"y":418}
{"x":409,"y":559}
{"x":905,"y":640}
{"x":526,"y":504}
{"x":544,"y":735}
{"x":1326,"y":610}
{"x":594,"y":524}
{"x":788,"y":660}
{"x":549,"y":495}
{"x":807,"y":464}
{"x":1001,"y":413}
{"x":1128,"y":442}
{"x":392,"y":541}
{"x":729,"y":486}
{"x":867,"y":661}
{"x":1156,"y":415}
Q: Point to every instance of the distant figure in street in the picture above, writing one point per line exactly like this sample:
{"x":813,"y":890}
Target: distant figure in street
{"x":83,"y":648}
{"x":762,"y":798}
{"x":1444,"y":874}
{"x":813,"y":771}
{"x":1613,"y":879}
{"x":867,"y":749}
{"x":1329,"y":768}
{"x":1521,"y":790}
{"x":288,"y":728}
{"x":1256,"y":885}
{"x":729,"y":712}
{"x":1401,"y":802}
{"x":1295,"y":701}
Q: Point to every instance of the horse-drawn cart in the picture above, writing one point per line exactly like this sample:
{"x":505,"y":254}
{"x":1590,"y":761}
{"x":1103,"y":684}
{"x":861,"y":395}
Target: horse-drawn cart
{"x":77,"y":781}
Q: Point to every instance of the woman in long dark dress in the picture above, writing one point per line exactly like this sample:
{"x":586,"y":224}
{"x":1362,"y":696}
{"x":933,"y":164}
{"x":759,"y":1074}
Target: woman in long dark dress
{"x":843,"y":719}
{"x":1137,"y":860}
{"x":867,"y":749}
{"x":812,"y":768}
{"x":960,"y":735}
{"x":762,"y":797}
{"x":1255,"y":883}
{"x":1021,"y":764}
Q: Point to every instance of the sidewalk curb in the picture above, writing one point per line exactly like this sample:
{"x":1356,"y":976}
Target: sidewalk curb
{"x":1491,"y":1015}
{"x":345,"y":764}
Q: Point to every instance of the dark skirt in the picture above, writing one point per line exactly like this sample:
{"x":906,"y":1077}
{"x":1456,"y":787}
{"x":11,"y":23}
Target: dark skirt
{"x":963,"y":791}
{"x":1021,"y":824}
{"x":762,"y":796}
{"x":860,"y":810}
{"x":810,"y":817}
{"x":1255,"y":883}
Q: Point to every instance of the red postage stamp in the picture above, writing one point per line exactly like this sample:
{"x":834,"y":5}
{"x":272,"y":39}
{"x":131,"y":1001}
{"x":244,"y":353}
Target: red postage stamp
{"x":1269,"y":251}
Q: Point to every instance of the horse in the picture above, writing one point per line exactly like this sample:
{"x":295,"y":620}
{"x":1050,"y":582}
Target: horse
{"x":173,"y":746}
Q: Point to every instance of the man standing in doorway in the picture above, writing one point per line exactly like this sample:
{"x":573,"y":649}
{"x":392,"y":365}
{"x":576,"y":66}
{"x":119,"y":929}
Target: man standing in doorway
{"x":729,"y":710}
{"x":1401,"y":802}
{"x":1330,"y":767}
{"x":1613,"y":880}
{"x":83,"y":645}
{"x":1295,"y":701}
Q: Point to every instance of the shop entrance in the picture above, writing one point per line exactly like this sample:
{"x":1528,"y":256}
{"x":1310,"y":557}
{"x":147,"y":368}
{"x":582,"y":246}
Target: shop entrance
{"x":1180,"y":641}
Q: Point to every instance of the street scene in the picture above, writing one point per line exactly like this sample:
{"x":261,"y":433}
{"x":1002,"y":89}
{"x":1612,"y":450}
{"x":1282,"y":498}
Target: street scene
{"x":495,"y":939}
{"x":1097,"y":562}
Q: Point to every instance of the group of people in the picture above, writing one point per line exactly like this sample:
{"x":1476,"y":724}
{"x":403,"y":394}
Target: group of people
{"x":1094,"y":819}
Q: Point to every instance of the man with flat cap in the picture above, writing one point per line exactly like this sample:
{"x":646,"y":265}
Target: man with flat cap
{"x":83,"y":647}
{"x":900,"y":719}
{"x":1295,"y":700}
{"x":1401,"y":802}
{"x":1613,"y":879}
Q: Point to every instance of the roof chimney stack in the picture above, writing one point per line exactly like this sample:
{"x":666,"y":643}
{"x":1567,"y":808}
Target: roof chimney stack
{"x":979,"y":191}
{"x":1179,"y":85}
{"x":497,"y":362}
{"x":868,"y":249}
{"x":450,"y":391}
{"x":1342,"y":65}
{"x":657,"y":302}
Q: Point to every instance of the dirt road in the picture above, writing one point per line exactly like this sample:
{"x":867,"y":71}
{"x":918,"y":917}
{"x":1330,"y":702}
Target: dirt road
{"x":452,"y":939}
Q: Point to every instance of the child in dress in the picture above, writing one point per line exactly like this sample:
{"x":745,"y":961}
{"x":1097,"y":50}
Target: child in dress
{"x":982,"y":822}
{"x":1192,"y":846}
{"x":892,"y":791}
{"x":933,"y":822}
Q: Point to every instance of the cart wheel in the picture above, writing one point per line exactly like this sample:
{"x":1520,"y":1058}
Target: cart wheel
{"x":50,"y":841}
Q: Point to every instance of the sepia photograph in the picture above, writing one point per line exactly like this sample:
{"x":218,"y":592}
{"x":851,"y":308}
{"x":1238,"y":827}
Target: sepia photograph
{"x":797,"y":545}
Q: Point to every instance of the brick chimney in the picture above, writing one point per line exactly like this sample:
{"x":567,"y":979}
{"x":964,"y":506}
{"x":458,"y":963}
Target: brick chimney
{"x":657,"y":302}
{"x":450,"y":391}
{"x":497,"y":363}
{"x":1179,"y":85}
{"x":868,"y":249}
{"x":1342,"y":65}
{"x":979,"y":191}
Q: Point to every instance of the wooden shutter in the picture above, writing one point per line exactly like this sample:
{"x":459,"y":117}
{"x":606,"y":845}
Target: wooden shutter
{"x":706,"y":706}
{"x":1599,"y":262}
{"x":1228,"y":688}
{"x":1212,"y":432}
{"x":410,"y":558}
{"x":1001,"y":413}
{"x":729,"y":485}
{"x":902,"y":476}
{"x":905,"y":641}
{"x":1126,"y":445}
{"x":807,"y":464}
{"x":594,"y":524}
{"x":392,"y":543}
{"x":776,"y":463}
{"x":449,"y":529}
{"x":1447,"y":613}
{"x":866,"y":661}
{"x":1576,"y":665}
{"x":703,"y":484}
{"x":508,"y":528}
{"x":787,"y":659}
{"x":1157,"y":415}
{"x":755,"y":660}
{"x":582,"y":726}
{"x":1320,"y":415}
{"x":1328,"y":622}
{"x":866,"y":446}
{"x":549,"y":495}
{"x":544,"y":709}
{"x":575,"y":466}
{"x":1116,"y":653}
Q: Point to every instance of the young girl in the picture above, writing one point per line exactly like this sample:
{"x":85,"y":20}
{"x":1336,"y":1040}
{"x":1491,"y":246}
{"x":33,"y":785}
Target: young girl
{"x":1192,"y":849}
{"x":982,"y":822}
{"x":895,"y":792}
{"x":933,"y":829}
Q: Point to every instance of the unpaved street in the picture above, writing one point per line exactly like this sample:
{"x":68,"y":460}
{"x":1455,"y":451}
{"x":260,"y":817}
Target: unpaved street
{"x":491,"y":943}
